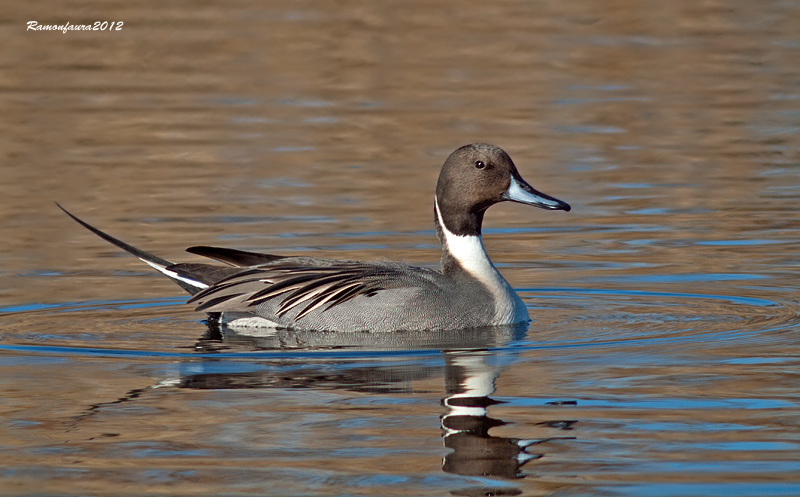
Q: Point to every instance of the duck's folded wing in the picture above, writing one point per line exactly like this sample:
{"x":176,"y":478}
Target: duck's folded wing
{"x":304,"y":288}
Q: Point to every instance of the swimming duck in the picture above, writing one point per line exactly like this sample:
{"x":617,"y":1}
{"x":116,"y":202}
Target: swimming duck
{"x":307,"y":293}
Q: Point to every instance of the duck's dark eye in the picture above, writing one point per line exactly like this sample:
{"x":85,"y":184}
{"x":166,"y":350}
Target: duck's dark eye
{"x":479,"y":164}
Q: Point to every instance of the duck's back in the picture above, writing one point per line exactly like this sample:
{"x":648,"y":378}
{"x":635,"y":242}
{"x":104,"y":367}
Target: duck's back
{"x":321,"y":294}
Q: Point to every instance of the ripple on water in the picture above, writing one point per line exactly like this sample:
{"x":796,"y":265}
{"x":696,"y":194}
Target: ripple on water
{"x":563,"y":317}
{"x":616,"y":317}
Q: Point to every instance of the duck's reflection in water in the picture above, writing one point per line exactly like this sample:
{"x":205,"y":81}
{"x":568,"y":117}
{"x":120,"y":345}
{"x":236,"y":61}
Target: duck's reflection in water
{"x":469,"y":380}
{"x":384,"y":364}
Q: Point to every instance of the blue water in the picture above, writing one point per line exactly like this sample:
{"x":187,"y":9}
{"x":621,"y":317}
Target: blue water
{"x":662,"y":358}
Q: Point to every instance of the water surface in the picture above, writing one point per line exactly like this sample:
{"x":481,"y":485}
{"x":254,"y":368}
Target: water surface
{"x":662,"y":359}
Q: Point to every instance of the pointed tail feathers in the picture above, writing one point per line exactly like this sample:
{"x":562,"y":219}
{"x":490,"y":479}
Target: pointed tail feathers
{"x":161,"y":265}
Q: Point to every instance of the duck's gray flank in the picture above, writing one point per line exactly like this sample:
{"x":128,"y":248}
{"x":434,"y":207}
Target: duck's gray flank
{"x":322,"y":294}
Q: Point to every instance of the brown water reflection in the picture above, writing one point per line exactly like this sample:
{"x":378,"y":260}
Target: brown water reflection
{"x":665,"y":303}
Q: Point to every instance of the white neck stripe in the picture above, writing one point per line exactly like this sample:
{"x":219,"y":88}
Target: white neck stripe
{"x":468,"y":251}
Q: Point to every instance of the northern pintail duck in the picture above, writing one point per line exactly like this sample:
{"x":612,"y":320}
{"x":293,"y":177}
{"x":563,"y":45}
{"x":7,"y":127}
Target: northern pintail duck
{"x":307,"y":293}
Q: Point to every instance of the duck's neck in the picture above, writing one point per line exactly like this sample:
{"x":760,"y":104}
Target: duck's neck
{"x":464,"y":252}
{"x":464,"y":255}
